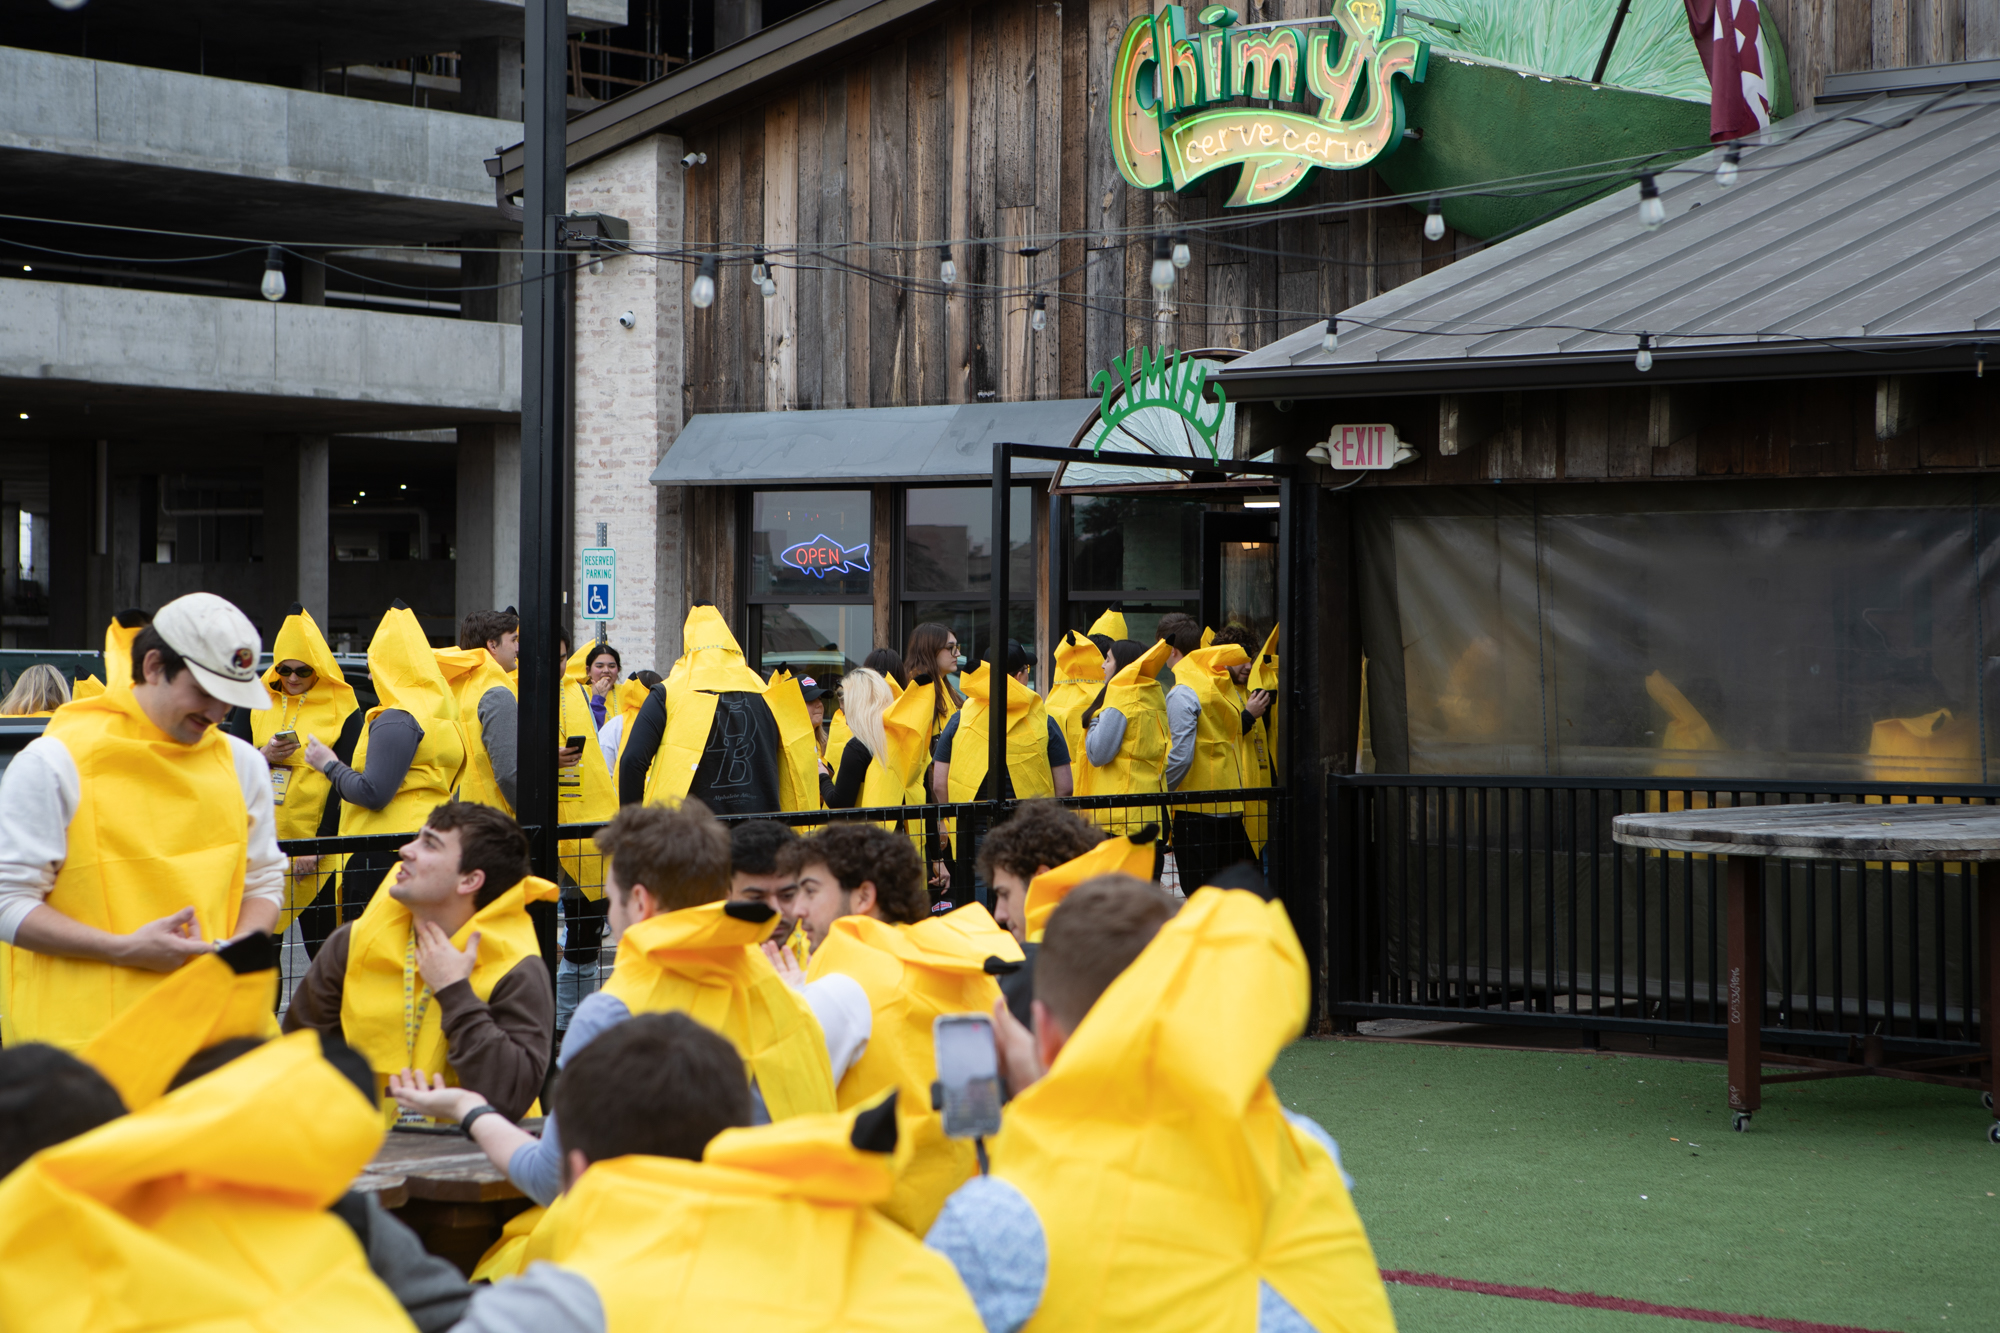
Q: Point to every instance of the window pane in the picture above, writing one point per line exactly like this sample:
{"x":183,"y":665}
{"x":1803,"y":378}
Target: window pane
{"x":814,"y":640}
{"x":948,"y":539}
{"x":810,"y":543}
{"x":1134,"y":543}
{"x":1142,"y":618}
{"x":970,"y":621}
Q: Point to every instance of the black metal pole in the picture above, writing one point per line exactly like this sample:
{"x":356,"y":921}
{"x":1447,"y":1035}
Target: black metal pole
{"x":542,"y":422}
{"x":1058,"y":538}
{"x":1611,"y":40}
{"x":996,"y":676}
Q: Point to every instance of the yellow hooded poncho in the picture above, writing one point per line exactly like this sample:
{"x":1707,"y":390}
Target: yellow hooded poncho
{"x":1079,"y":676}
{"x":118,"y":639}
{"x":1114,"y":856}
{"x":298,"y":790}
{"x":1027,"y":739}
{"x":1218,"y":739}
{"x":206,"y":1212}
{"x":711,"y":663}
{"x":911,"y":974}
{"x":772,"y":1230}
{"x":1112,"y":625}
{"x":1141,"y":763}
{"x":1158,"y":1157}
{"x":469,"y":673}
{"x":1260,"y":742}
{"x":404,"y":670}
{"x":203,"y":1003}
{"x":587,"y":793}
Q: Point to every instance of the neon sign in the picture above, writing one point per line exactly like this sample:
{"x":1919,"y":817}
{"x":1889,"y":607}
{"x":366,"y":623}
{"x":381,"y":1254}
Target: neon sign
{"x":1162,"y":79}
{"x":823,"y":555}
{"x":1167,"y":379}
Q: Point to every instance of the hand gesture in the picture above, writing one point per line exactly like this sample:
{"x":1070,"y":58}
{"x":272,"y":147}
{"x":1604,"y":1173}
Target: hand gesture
{"x":277,"y":750}
{"x":441,"y":964}
{"x":1259,"y":701}
{"x":165,"y":944}
{"x":786,"y":963}
{"x":318,"y":753}
{"x":427,"y":1094}
{"x":1015,"y":1046}
{"x":305,"y":865}
{"x":940,"y":874}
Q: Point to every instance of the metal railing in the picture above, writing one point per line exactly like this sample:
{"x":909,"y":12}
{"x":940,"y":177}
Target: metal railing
{"x":1506,"y":900}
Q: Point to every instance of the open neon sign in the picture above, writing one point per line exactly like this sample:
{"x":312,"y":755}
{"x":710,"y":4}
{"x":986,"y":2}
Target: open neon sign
{"x":823,"y":555}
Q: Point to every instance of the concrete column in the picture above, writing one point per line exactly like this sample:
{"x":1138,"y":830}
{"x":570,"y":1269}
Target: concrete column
{"x":297,"y":543}
{"x":72,"y":506}
{"x":312,"y":282}
{"x":489,"y":517}
{"x":490,"y":259}
{"x":489,"y":77}
{"x":627,"y":405}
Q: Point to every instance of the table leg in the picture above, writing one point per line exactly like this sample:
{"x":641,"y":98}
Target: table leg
{"x":1987,"y":877}
{"x":1746,"y":985}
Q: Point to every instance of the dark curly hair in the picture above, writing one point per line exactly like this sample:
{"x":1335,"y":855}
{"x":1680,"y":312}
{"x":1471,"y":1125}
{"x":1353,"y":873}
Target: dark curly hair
{"x":1041,"y":833}
{"x":861,"y":852}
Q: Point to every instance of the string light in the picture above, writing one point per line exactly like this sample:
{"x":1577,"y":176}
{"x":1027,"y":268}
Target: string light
{"x":760,"y":273}
{"x":1329,"y":341}
{"x":757,"y":268}
{"x":1644,"y":360}
{"x":1182,"y":255}
{"x":947,"y":271}
{"x":1434,"y":222}
{"x":1651,"y":211}
{"x":273,"y":285}
{"x":1039,"y":319}
{"x":1725,"y":172}
{"x":1163,"y":265}
{"x":703,"y":293}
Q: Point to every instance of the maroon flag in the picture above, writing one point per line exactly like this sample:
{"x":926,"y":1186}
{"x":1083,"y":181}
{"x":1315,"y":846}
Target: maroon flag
{"x":1730,"y":37}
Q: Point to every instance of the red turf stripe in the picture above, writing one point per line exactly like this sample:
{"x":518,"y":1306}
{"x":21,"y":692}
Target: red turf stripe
{"x":1591,"y":1300}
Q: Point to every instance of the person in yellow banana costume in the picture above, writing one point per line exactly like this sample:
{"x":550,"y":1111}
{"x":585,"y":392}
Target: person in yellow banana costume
{"x":681,"y":949}
{"x":1126,"y":737}
{"x":134,"y":834}
{"x":1157,"y":1028}
{"x":1041,"y":836}
{"x":759,"y":873}
{"x":866,"y":911}
{"x":205,"y":1210}
{"x":407,"y":762}
{"x":481,"y":673}
{"x":1078,"y":678}
{"x":442,"y":973}
{"x":1206,"y":721}
{"x":118,"y":638}
{"x":1254,"y":703}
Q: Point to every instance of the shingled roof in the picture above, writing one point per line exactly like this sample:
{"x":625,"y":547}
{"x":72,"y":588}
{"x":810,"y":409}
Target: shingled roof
{"x":1860,"y":238}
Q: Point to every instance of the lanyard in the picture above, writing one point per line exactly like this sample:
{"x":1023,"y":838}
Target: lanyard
{"x":416,"y":997}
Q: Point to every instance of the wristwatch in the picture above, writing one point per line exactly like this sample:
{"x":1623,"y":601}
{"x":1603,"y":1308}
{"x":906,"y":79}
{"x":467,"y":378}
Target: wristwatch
{"x":465,"y":1121}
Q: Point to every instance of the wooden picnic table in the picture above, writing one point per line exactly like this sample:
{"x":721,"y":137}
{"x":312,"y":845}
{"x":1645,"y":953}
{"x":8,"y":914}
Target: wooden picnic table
{"x":1745,"y":835}
{"x":441,"y":1184}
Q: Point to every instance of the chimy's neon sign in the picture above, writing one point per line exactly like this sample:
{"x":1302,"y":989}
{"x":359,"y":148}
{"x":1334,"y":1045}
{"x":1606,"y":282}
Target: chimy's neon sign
{"x":1161,"y":135}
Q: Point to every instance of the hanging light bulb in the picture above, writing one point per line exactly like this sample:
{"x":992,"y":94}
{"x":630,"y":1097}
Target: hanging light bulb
{"x":703,"y":294}
{"x":1039,"y":318}
{"x":757,"y":269}
{"x":1725,"y":172}
{"x":1329,"y":341}
{"x":1651,"y":211}
{"x":769,"y":287}
{"x":1163,"y":265}
{"x":273,"y":285}
{"x":1434,"y":223}
{"x":947,"y":271}
{"x":1182,"y":255}
{"x":1644,"y":360}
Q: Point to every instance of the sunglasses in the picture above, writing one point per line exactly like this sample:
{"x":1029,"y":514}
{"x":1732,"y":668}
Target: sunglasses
{"x":301,"y":672}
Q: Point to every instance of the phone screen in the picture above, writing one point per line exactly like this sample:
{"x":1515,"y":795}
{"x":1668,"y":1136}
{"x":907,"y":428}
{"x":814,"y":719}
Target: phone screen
{"x":287,"y":737}
{"x":968,"y":1074}
{"x":574,"y":743}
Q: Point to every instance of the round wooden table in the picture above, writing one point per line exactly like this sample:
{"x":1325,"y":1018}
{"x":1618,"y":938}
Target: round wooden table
{"x":1745,"y":835}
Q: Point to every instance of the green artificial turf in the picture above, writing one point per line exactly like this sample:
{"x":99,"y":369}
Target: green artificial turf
{"x":1864,"y":1202}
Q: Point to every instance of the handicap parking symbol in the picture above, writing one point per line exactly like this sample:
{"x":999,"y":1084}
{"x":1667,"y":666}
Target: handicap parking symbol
{"x":597,"y":600}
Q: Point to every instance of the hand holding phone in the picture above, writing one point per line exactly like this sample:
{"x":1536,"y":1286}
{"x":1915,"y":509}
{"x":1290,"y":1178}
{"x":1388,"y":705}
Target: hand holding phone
{"x":968,"y":1075}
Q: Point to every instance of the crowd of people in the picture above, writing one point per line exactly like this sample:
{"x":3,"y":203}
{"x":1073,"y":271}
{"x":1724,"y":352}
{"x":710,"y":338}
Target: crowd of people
{"x":741,"y":1121}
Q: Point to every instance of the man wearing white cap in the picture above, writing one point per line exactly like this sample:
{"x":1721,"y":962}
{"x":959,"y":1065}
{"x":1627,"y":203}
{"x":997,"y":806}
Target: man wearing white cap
{"x":134,"y":833}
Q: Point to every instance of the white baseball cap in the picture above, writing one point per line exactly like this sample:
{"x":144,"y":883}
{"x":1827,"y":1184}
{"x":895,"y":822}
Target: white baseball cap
{"x":219,"y":644}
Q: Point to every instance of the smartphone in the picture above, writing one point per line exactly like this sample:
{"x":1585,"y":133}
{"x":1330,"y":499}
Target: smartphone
{"x":968,"y":1074}
{"x":573,"y":743}
{"x":286,"y":737}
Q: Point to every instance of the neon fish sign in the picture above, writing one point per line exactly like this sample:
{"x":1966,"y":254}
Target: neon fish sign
{"x":1163,"y":78}
{"x":823,"y":555}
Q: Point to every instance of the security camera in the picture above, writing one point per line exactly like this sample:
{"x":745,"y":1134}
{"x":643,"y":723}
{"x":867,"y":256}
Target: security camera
{"x":694,"y":159}
{"x":628,"y":319}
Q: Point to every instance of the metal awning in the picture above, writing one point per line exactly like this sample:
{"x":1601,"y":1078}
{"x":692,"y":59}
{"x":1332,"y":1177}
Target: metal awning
{"x":953,"y":442}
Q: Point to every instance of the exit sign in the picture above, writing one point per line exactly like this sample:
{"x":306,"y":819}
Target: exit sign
{"x":1361,"y":448}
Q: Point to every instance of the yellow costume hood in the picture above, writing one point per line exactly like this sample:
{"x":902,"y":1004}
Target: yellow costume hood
{"x":1162,"y":1098}
{"x":705,"y":962}
{"x":798,"y":780}
{"x":203,"y":1003}
{"x":403,"y":667}
{"x":1114,"y":856}
{"x":1027,"y":739}
{"x":1079,"y":676}
{"x":906,"y":727}
{"x":711,"y":659}
{"x":588,"y":792}
{"x":772,"y":1230}
{"x":1111,"y":623}
{"x":118,"y":638}
{"x":911,"y":974}
{"x":205,"y":1212}
{"x":299,"y":639}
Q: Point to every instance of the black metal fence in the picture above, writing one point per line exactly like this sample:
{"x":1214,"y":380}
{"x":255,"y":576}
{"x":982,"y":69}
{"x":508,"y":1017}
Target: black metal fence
{"x":1505,"y":900}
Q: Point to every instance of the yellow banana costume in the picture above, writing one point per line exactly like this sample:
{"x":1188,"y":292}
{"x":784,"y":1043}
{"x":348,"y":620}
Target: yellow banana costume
{"x":798,"y":782}
{"x":118,"y":639}
{"x":711,"y":664}
{"x":1079,"y":676}
{"x":912,"y":974}
{"x":1114,"y":856}
{"x":705,"y":963}
{"x":1111,"y":624}
{"x":203,"y":1213}
{"x":469,"y":673}
{"x":298,"y":790}
{"x":1260,"y":742}
{"x":404,"y":670}
{"x":1141,"y":763}
{"x":1027,"y":740}
{"x":202,"y":1003}
{"x":1158,"y":1158}
{"x":373,"y":1003}
{"x":1218,"y":740}
{"x":158,"y":826}
{"x":627,"y":700}
{"x":772,"y":1230}
{"x":587,"y":793}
